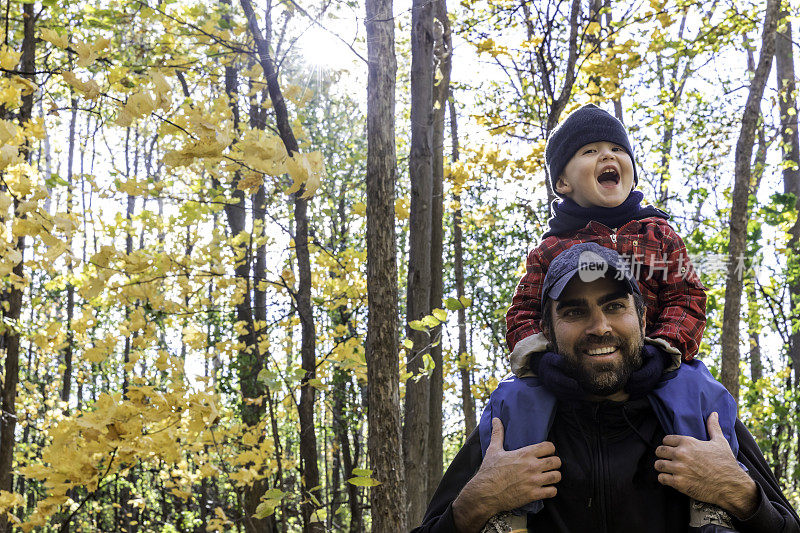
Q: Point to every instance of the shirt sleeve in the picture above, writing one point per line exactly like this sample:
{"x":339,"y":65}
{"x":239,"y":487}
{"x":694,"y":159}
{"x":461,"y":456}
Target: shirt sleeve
{"x":439,"y":515}
{"x":524,"y":316}
{"x":774,"y":513}
{"x":681,"y":316}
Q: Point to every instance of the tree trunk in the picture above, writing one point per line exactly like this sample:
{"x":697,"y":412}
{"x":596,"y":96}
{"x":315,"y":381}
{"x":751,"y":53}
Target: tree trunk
{"x":12,"y":298}
{"x":464,"y":368}
{"x":790,"y":146}
{"x":739,"y":209}
{"x":308,"y":437}
{"x":416,"y":423}
{"x":753,"y":314}
{"x":388,"y":500}
{"x":68,"y":349}
{"x":443,"y":57}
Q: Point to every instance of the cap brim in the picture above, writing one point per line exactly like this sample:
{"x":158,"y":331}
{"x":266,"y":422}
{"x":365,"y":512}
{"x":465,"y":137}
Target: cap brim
{"x":558,"y":287}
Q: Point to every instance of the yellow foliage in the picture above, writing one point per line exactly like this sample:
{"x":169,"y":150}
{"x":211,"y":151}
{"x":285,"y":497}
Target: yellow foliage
{"x":89,"y":52}
{"x":89,"y":89}
{"x":305,"y":169}
{"x":9,"y":58}
{"x":55,"y":38}
{"x":402,"y":207}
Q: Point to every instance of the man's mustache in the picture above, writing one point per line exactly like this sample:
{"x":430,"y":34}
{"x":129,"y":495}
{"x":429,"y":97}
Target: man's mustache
{"x":593,"y":341}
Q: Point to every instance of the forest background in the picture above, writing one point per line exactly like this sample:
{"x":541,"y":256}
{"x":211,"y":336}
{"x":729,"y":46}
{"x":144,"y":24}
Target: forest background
{"x":255,"y":257}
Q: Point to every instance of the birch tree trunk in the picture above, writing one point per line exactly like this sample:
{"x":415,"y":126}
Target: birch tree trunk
{"x":388,"y":500}
{"x":739,"y":210}
{"x":416,"y":424}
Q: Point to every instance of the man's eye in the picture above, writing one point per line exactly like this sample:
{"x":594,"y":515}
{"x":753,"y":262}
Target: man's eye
{"x":615,"y":306}
{"x":571,"y":313}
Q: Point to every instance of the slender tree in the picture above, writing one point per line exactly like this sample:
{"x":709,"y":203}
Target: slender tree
{"x":302,"y":297}
{"x":388,"y":500}
{"x":12,"y":297}
{"x":416,"y":425}
{"x":790,"y":147}
{"x":467,"y":400}
{"x":739,"y":209}
{"x":441,"y":86}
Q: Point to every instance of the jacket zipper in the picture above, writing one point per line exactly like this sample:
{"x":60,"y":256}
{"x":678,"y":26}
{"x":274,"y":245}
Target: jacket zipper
{"x":601,"y":474}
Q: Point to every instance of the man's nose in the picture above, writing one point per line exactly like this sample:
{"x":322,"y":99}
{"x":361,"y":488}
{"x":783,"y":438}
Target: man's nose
{"x":598,"y":323}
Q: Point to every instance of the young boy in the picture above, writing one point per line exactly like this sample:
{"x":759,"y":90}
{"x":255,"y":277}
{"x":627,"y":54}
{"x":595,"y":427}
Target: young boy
{"x":591,"y":167}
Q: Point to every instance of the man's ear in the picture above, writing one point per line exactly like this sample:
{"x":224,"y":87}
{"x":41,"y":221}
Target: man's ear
{"x":562,"y":186}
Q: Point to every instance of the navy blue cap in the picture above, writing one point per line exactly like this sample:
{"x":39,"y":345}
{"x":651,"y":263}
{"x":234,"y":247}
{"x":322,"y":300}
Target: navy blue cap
{"x":590,"y":261}
{"x":585,"y":125}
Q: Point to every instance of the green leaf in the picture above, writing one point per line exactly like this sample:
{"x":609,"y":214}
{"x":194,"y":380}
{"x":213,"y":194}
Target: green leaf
{"x":430,"y":321}
{"x":466,"y":302}
{"x":452,"y":304}
{"x":316,"y":383}
{"x":417,"y":325}
{"x":363,"y":482}
{"x":440,"y":314}
{"x":274,"y":494}
{"x":408,"y":343}
{"x":264,"y":509}
{"x":364,"y":472}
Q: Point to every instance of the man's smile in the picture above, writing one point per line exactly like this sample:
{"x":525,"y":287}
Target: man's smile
{"x":606,"y":350}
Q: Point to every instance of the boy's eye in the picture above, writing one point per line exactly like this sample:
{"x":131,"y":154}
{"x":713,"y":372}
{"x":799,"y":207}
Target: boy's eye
{"x":589,"y":151}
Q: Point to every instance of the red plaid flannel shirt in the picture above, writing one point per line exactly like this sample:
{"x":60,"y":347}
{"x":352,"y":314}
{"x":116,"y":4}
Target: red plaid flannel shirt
{"x":673,"y":293}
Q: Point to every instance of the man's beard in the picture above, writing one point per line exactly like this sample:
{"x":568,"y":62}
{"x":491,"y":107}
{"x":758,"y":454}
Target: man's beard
{"x":602,"y":379}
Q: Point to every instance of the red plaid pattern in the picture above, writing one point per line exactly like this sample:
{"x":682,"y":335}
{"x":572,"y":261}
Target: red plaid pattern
{"x":673,"y":293}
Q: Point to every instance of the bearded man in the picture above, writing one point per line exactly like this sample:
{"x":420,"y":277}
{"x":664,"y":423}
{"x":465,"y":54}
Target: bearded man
{"x":606,"y":436}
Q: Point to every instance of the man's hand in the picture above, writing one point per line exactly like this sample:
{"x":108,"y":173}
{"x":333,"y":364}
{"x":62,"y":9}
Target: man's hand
{"x":707,"y":471}
{"x":506,"y":480}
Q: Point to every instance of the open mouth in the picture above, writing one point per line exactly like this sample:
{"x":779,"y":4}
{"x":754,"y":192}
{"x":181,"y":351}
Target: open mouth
{"x":608,"y":177}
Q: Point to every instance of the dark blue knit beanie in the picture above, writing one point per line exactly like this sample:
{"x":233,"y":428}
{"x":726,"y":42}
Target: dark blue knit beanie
{"x":585,"y":125}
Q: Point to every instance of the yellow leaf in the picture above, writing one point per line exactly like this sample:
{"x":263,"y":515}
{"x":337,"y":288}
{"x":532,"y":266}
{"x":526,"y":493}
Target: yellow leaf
{"x":89,"y":89}
{"x":54,"y":38}
{"x":9,"y":58}
{"x":305,"y":169}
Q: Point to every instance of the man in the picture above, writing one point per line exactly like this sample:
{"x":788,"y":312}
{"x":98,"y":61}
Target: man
{"x":607,"y":464}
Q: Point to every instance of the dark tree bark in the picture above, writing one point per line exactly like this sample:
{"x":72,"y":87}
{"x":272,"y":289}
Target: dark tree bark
{"x":416,"y":423}
{"x":388,"y":500}
{"x":467,"y":401}
{"x":442,"y":57}
{"x":790,"y":146}
{"x":739,"y":209}
{"x":308,"y":438}
{"x":68,"y":349}
{"x":12,"y":298}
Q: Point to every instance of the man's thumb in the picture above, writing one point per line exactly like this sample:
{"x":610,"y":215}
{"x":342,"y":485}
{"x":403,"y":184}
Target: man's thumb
{"x":498,"y":434}
{"x":714,"y":429}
